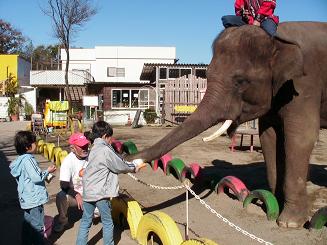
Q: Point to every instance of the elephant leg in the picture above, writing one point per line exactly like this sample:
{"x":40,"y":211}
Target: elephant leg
{"x":301,"y":133}
{"x":268,"y":144}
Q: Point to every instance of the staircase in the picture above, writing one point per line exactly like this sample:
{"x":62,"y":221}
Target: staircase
{"x":76,"y":94}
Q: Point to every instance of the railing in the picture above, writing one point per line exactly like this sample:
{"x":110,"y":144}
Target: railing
{"x":50,"y":77}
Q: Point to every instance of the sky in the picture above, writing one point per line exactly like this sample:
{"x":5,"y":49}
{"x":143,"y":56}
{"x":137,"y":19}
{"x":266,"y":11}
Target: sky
{"x":188,"y":25}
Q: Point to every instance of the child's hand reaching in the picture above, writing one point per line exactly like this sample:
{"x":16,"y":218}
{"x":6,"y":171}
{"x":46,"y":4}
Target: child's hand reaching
{"x":139,"y":163}
{"x":52,"y":168}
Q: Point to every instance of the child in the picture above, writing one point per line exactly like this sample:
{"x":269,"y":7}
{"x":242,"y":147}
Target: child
{"x":100,"y":182}
{"x":32,"y":192}
{"x":71,"y":179}
{"x":254,"y":12}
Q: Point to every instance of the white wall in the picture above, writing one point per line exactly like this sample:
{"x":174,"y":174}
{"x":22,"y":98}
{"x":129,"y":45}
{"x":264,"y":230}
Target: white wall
{"x":30,"y":96}
{"x":131,"y":58}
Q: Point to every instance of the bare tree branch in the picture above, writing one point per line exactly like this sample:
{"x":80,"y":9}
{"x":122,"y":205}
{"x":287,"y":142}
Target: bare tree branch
{"x":68,"y":17}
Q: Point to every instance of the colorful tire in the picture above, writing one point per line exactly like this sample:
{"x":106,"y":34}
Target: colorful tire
{"x":234,"y":184}
{"x":130,"y":148}
{"x":268,"y":199}
{"x":192,"y":172}
{"x":199,"y":241}
{"x":118,"y":146}
{"x":40,"y":144}
{"x":50,"y":147}
{"x":319,"y":219}
{"x":130,"y":210}
{"x":176,"y":165}
{"x":45,"y":151}
{"x":57,"y":157}
{"x":162,"y":225}
{"x":163,"y":161}
{"x":62,"y":156}
{"x":55,"y":150}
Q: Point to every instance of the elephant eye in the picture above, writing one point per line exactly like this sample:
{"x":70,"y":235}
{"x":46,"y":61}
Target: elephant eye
{"x":240,"y":82}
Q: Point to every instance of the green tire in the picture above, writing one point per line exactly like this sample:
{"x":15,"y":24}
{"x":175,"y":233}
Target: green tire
{"x":268,"y":199}
{"x":130,"y":148}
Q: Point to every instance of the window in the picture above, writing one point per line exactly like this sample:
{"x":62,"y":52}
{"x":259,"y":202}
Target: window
{"x":201,"y":73}
{"x":185,"y":72}
{"x":163,"y":73}
{"x":115,"y":72}
{"x":130,"y":98}
{"x":173,"y":73}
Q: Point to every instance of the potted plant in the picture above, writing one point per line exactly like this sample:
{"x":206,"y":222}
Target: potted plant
{"x":28,"y":108}
{"x":150,"y":115}
{"x":13,"y":108}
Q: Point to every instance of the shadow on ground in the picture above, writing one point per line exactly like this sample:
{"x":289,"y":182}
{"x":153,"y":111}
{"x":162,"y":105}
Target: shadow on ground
{"x":11,"y":215}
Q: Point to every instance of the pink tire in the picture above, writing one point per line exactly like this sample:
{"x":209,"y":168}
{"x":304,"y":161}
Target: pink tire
{"x":235,"y":184}
{"x":118,"y":146}
{"x":192,"y":172}
{"x":163,"y":161}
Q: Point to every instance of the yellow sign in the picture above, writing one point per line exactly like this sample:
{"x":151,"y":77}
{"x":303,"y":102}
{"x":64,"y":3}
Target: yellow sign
{"x":185,"y":108}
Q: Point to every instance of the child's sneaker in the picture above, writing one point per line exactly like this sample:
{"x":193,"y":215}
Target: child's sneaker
{"x":96,"y":213}
{"x":59,"y":227}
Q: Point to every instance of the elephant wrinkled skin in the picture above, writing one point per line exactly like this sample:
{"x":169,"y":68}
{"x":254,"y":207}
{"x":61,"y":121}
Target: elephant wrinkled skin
{"x":283,"y":82}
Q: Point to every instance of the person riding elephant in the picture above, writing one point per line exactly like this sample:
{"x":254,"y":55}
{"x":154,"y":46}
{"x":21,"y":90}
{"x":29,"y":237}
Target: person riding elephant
{"x":283,"y":82}
{"x":254,"y":12}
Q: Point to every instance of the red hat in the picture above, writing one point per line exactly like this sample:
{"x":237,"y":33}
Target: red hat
{"x":78,"y":139}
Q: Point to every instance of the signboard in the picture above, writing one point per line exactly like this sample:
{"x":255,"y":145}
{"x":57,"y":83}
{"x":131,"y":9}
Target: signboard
{"x":185,"y":108}
{"x":90,"y":101}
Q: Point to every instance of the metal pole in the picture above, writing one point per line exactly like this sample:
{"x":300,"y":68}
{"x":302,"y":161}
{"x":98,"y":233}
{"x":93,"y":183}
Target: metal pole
{"x":157,"y":92}
{"x":186,"y":236}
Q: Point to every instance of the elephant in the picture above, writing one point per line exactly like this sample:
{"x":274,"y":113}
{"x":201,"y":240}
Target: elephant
{"x":280,"y":80}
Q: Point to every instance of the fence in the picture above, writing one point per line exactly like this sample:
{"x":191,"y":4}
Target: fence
{"x":182,"y":96}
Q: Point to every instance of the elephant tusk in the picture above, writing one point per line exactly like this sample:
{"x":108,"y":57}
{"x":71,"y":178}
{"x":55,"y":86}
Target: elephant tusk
{"x":220,"y":131}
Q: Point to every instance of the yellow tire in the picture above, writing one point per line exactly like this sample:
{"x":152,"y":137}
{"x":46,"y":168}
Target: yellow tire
{"x":45,"y":150}
{"x":130,"y":210}
{"x":62,"y":156}
{"x":163,"y":227}
{"x":55,"y":152}
{"x":199,"y":241}
{"x":57,"y":157}
{"x":48,"y":150}
{"x":40,"y":144}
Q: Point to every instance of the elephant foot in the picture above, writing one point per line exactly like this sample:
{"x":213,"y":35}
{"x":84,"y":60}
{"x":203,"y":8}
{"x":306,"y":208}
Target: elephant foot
{"x":292,"y":218}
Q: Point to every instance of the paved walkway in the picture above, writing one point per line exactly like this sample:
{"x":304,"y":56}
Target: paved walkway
{"x":10,"y":214}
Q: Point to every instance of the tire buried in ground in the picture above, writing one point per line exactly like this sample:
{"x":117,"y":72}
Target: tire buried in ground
{"x":161,"y":226}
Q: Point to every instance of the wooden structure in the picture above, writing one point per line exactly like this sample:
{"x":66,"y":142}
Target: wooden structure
{"x":249,"y":128}
{"x":182,"y":96}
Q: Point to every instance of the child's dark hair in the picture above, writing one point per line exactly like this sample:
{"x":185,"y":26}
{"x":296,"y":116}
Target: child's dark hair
{"x":89,"y":136}
{"x":101,"y":128}
{"x":23,"y":141}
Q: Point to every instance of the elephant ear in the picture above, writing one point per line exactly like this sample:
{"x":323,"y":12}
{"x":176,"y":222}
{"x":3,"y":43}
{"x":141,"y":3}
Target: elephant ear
{"x":287,"y":62}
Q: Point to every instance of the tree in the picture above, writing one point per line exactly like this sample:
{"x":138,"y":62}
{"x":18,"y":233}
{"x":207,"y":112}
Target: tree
{"x":11,"y":40}
{"x":45,"y":57}
{"x":68,"y":17}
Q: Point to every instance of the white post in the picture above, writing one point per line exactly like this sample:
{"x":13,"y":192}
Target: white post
{"x":186,"y":236}
{"x":157,"y":92}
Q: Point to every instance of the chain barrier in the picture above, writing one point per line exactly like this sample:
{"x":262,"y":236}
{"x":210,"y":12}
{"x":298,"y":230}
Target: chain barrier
{"x":237,"y":228}
{"x":156,"y":186}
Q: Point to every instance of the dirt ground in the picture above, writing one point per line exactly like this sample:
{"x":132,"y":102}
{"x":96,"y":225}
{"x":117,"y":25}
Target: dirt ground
{"x":217,"y":161}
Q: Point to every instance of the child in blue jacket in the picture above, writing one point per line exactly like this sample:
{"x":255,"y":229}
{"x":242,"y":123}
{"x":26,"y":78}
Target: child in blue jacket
{"x":31,"y":188}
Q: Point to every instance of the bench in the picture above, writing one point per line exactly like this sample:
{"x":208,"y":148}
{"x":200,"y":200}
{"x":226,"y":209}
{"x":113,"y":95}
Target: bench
{"x":242,"y":132}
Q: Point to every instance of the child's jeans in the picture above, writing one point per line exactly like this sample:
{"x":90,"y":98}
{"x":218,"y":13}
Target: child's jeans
{"x":33,"y":225}
{"x":104,"y":207}
{"x":267,"y":24}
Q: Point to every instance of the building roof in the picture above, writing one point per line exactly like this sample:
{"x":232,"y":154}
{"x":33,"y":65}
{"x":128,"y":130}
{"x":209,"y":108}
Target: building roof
{"x":149,"y":69}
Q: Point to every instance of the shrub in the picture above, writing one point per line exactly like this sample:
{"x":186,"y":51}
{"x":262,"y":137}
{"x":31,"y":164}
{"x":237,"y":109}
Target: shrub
{"x":149,"y":115}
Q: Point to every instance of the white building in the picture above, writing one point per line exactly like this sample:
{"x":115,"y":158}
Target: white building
{"x":110,"y":72}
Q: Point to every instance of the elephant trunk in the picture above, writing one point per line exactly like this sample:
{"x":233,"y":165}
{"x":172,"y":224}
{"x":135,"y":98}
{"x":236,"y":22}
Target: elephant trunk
{"x":205,"y":116}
